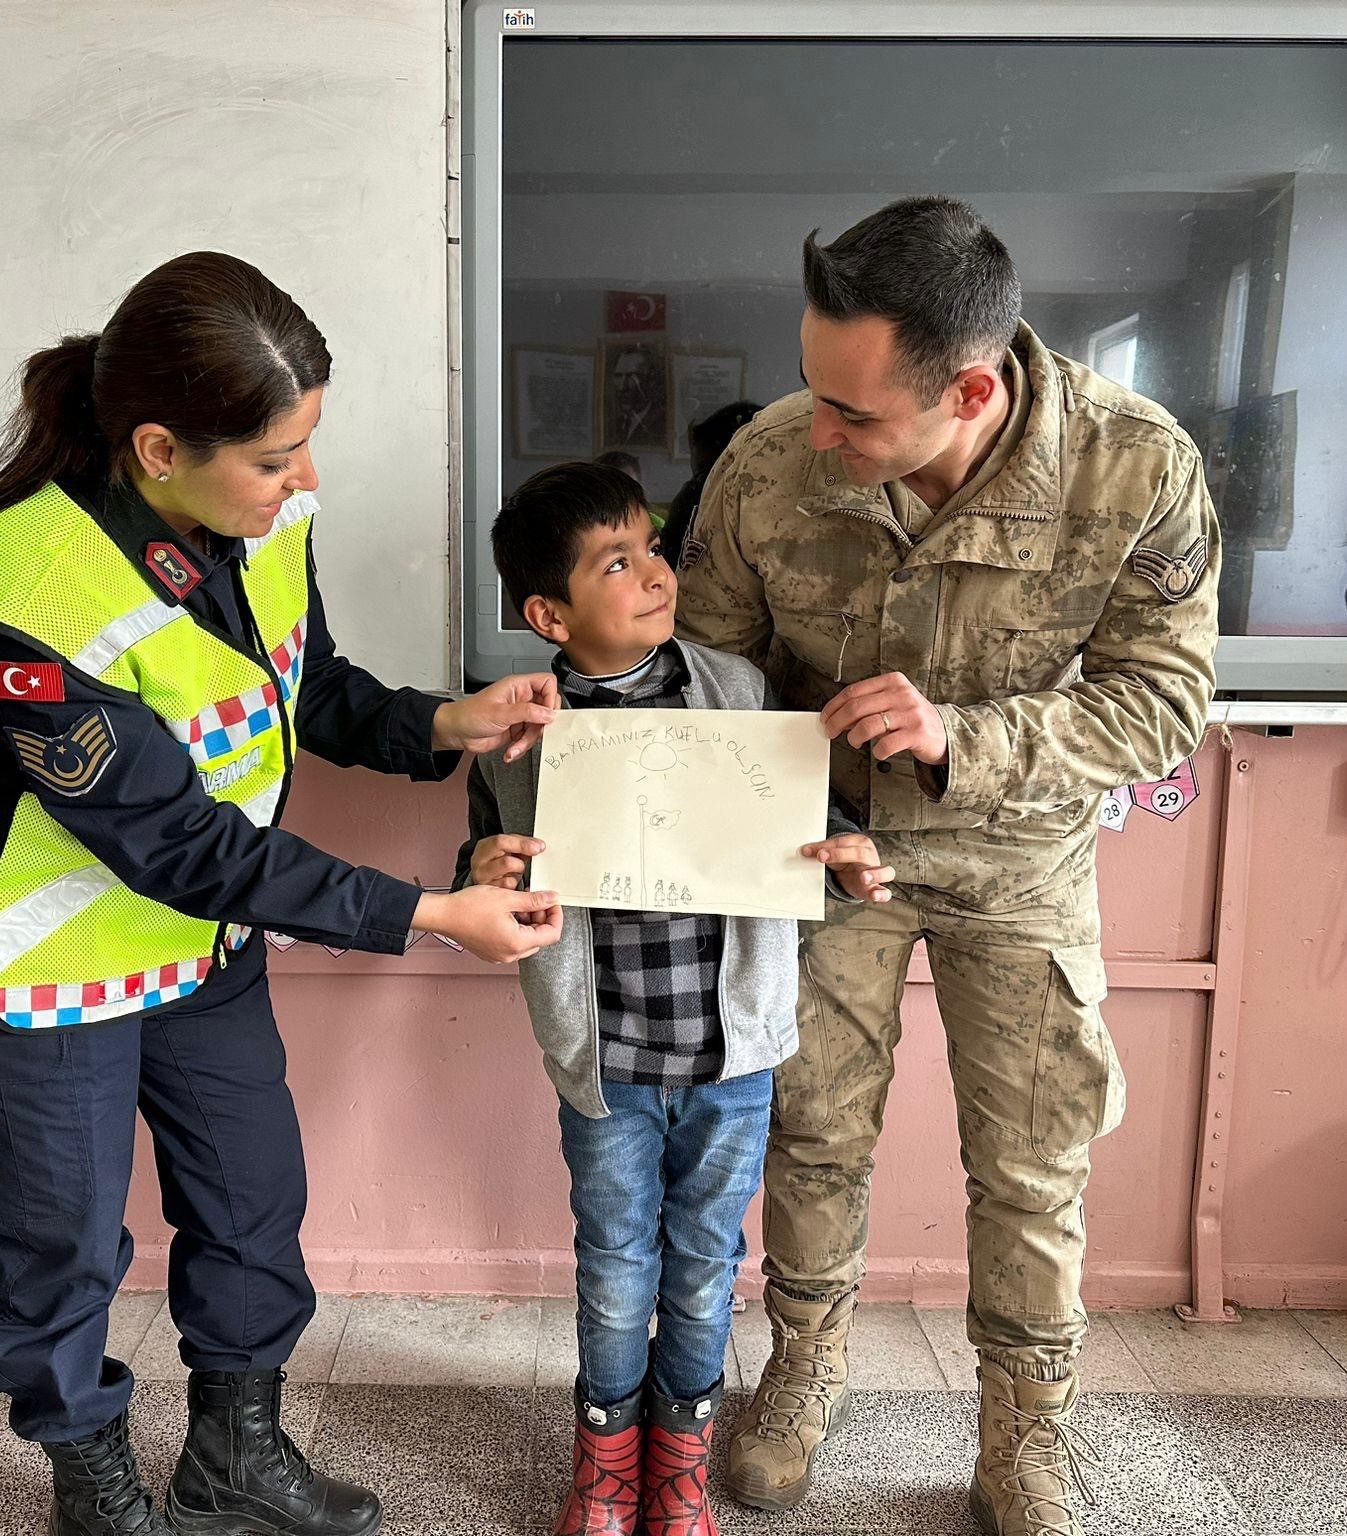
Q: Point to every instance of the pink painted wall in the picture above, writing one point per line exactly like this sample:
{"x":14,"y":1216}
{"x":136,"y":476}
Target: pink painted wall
{"x":431,"y":1129}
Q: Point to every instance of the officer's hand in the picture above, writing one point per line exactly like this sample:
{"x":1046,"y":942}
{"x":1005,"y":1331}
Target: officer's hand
{"x":892,"y":714}
{"x":512,"y":711}
{"x":500,"y":926}
{"x":502,"y":860}
{"x":854,"y":861}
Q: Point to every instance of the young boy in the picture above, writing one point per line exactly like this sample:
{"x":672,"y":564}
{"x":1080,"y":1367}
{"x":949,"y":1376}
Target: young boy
{"x":659,"y":1030}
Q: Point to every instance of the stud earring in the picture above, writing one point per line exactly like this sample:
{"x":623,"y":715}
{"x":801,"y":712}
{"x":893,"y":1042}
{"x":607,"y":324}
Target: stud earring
{"x":162,"y":475}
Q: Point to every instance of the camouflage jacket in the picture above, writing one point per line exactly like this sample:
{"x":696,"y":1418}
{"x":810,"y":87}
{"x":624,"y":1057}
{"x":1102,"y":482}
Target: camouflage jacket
{"x":1063,"y":617}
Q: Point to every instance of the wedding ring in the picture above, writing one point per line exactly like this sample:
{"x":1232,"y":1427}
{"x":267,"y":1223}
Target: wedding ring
{"x":884,"y":717}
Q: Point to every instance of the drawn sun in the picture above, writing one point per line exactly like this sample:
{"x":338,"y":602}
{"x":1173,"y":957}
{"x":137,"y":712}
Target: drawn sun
{"x":659,"y":757}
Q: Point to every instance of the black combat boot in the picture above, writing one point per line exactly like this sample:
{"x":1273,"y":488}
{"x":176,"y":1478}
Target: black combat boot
{"x":98,"y":1487}
{"x":240,"y":1472}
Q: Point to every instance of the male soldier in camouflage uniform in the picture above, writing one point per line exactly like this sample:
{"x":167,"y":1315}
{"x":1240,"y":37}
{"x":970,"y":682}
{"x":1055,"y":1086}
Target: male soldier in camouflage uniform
{"x":994,"y":572}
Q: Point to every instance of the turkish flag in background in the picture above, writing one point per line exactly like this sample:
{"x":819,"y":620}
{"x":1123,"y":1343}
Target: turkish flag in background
{"x":635,"y":311}
{"x":39,"y":680}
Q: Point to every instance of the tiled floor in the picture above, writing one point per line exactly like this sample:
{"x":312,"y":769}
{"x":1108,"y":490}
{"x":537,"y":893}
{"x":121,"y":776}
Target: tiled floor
{"x":457,"y":1410}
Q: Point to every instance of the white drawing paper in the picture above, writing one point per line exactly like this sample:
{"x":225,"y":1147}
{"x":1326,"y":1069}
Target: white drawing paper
{"x":683,"y":810}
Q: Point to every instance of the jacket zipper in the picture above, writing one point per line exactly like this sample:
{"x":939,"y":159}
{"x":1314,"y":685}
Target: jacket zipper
{"x":287,"y":749}
{"x":262,"y":656}
{"x":219,"y":952}
{"x":849,"y":623}
{"x":889,"y":526}
{"x":592,"y":999}
{"x":887,"y":523}
{"x":727,"y":938}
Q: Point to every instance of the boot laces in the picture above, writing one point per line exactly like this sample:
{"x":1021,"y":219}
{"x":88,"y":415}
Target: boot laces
{"x":108,"y":1463}
{"x":279,"y":1451}
{"x":799,"y":1379}
{"x":1048,"y":1444}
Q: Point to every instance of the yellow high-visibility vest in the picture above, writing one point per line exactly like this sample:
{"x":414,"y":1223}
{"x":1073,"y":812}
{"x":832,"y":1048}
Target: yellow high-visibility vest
{"x":77,"y":945}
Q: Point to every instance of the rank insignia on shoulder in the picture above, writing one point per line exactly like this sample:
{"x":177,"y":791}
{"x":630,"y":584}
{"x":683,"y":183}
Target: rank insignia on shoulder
{"x":1172,"y":576}
{"x":173,"y":569}
{"x":73,"y":762}
{"x":693,"y":552}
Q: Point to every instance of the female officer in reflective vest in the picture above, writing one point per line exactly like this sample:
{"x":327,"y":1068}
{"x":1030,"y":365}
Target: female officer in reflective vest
{"x":163,"y":655}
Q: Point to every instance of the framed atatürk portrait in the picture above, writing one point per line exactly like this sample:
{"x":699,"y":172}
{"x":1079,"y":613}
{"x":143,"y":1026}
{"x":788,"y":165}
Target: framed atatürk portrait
{"x":552,"y":402}
{"x":703,"y":381}
{"x":634,"y":395}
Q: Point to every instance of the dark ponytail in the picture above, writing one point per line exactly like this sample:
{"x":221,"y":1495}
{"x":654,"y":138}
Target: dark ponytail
{"x":204,"y":345}
{"x":52,"y":435}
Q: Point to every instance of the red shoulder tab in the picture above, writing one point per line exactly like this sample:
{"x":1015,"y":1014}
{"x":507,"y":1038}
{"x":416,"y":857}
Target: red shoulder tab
{"x":171,"y":567}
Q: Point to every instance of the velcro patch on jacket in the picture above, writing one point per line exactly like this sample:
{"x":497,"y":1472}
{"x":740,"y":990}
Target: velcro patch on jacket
{"x":1172,"y":576}
{"x":73,"y":762}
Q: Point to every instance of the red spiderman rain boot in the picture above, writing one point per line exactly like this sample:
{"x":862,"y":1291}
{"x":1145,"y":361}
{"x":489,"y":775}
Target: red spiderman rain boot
{"x":673,"y":1478}
{"x":606,"y":1471}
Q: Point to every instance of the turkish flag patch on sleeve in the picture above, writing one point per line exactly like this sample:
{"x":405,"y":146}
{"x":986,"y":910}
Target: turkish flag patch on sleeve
{"x":40,"y":681}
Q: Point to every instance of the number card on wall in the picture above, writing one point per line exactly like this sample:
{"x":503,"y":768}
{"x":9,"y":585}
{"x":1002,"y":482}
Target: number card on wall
{"x":1117,"y":807}
{"x":1168,"y":797}
{"x":1171,"y":796}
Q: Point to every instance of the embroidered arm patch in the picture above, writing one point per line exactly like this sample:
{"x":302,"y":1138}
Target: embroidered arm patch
{"x":693,"y":551}
{"x":1172,"y":576}
{"x":73,"y":762}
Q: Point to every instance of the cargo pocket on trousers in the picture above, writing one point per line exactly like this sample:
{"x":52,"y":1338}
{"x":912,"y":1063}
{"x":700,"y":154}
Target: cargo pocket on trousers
{"x":1079,"y":1092}
{"x":805,"y":1097}
{"x":44,"y":1159}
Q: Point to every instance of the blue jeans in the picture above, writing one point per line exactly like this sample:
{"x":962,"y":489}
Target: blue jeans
{"x":659,"y":1189}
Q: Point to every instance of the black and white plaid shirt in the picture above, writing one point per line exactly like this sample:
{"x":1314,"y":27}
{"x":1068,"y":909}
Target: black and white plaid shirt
{"x":657,"y":972}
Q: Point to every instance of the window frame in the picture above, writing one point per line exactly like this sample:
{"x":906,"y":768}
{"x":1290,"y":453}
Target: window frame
{"x":1268,"y":679}
{"x":1107,"y":336}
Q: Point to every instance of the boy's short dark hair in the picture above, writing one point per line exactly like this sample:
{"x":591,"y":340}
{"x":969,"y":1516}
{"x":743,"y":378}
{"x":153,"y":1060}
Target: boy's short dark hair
{"x":536,"y":537}
{"x":931,"y":267}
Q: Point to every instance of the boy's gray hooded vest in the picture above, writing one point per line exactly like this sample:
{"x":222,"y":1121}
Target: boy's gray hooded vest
{"x":759,"y":969}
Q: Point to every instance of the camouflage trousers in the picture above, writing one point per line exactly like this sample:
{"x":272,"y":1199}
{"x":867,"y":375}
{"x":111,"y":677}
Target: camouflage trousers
{"x":1035,"y":1077}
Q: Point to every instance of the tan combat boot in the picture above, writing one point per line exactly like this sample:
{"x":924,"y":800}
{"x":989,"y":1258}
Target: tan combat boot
{"x":802,"y":1399}
{"x":1030,"y":1455}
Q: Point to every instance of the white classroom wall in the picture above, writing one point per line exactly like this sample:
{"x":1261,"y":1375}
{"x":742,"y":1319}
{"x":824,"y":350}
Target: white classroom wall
{"x":308,"y":138}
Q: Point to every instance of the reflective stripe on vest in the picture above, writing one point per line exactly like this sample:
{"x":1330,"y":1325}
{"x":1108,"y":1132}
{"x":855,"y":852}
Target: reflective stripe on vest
{"x":95,"y":1002}
{"x":302,"y":504}
{"x":76,"y":944}
{"x":27,"y":922}
{"x":113,"y":642}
